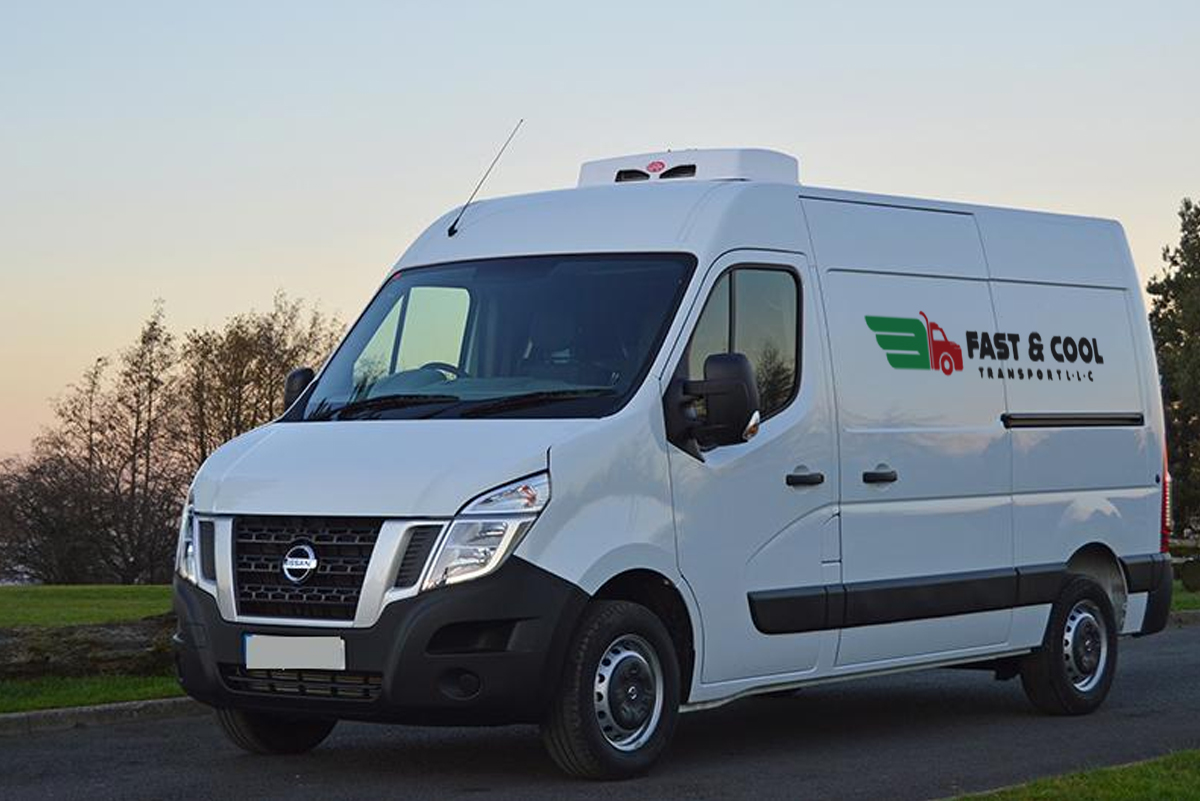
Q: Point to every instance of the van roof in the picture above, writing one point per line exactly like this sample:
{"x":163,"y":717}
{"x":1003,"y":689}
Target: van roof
{"x":704,"y":216}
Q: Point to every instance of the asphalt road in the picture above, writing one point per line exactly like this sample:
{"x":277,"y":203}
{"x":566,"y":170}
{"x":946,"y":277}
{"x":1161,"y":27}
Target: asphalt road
{"x":921,"y":735}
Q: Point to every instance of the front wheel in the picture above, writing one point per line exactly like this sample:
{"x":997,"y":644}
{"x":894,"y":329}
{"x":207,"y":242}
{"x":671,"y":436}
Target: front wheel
{"x":1073,"y":670}
{"x":262,"y":733}
{"x":616,"y":708}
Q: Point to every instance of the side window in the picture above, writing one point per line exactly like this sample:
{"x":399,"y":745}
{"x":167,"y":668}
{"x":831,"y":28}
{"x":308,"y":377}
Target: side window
{"x":765,"y":329}
{"x":434,"y":326}
{"x":754,"y":311}
{"x":712,"y":330}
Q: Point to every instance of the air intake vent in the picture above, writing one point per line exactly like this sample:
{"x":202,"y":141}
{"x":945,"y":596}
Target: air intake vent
{"x":308,"y":684}
{"x":208,"y":550}
{"x":416,"y":554}
{"x":632,"y":175}
{"x":740,"y":164}
{"x":682,"y":171}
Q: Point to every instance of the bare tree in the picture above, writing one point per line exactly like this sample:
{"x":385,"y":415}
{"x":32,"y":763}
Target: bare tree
{"x":98,"y":498}
{"x":231,"y":379}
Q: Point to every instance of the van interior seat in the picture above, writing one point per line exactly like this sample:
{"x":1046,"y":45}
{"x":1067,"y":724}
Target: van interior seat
{"x":556,"y":350}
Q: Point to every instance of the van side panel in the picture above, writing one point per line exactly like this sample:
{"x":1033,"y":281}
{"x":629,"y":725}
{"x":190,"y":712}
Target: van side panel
{"x":1029,"y":246}
{"x":1075,"y":484}
{"x":1088,"y":366}
{"x":894,"y":239}
{"x":927,"y":559}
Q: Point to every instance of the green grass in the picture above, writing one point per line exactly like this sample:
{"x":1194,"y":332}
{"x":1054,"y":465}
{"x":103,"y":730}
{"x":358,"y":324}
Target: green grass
{"x":61,"y":605}
{"x":51,"y":692}
{"x":1181,"y":599}
{"x":1171,"y":778}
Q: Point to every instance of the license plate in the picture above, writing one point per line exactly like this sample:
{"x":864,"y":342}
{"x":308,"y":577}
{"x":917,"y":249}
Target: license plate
{"x":266,"y":652}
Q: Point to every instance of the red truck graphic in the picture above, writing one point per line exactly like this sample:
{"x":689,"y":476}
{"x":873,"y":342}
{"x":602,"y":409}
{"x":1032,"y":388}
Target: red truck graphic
{"x":913,"y":345}
{"x":943,"y":354}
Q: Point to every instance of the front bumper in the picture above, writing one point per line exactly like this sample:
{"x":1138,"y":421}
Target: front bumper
{"x":488,"y":651}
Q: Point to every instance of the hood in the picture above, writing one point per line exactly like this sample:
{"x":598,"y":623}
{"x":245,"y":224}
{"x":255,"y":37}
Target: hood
{"x":373,"y":468}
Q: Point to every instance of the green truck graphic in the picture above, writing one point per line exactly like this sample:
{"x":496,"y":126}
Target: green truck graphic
{"x":914,"y":345}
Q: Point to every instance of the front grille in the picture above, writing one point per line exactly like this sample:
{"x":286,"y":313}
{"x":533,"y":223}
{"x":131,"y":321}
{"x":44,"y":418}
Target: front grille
{"x":340,"y":685}
{"x":342,"y":547}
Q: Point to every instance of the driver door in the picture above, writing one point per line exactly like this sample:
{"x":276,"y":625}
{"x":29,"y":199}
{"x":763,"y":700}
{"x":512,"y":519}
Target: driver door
{"x":742,"y":526}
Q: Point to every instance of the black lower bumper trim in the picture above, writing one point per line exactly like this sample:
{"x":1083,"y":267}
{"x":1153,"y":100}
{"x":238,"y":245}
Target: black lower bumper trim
{"x":415,"y":665}
{"x":1152,"y":574}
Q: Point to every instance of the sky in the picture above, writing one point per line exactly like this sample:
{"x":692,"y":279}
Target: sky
{"x":211,"y":154}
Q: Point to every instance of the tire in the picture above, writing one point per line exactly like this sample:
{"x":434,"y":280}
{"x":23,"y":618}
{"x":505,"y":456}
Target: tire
{"x":263,"y":733}
{"x":589,"y":735}
{"x":1073,"y":670}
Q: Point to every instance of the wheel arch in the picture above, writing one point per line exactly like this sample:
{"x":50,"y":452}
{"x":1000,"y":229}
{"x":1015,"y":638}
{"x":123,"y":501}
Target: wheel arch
{"x":663,"y":597}
{"x":1098,"y":562}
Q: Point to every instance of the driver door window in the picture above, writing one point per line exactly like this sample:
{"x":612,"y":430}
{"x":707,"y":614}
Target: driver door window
{"x":753,"y":311}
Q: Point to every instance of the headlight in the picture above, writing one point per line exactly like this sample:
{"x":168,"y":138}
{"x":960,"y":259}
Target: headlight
{"x":527,"y":496}
{"x":476,"y":545}
{"x":185,"y":555}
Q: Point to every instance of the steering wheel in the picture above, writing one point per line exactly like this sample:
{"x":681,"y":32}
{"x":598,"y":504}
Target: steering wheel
{"x":445,"y":367}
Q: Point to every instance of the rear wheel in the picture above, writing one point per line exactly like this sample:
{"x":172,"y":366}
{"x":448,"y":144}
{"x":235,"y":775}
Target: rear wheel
{"x":263,"y":733}
{"x":1073,"y":670}
{"x":616,"y":708}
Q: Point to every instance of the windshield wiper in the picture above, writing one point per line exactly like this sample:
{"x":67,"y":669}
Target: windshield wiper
{"x":528,"y":399}
{"x":380,"y":403}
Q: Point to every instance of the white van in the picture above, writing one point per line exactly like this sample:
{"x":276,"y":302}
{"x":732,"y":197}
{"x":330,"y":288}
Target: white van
{"x":689,"y":431}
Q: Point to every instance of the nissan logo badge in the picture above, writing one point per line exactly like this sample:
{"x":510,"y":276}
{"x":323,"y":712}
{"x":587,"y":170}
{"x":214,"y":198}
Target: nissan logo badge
{"x":299,"y":563}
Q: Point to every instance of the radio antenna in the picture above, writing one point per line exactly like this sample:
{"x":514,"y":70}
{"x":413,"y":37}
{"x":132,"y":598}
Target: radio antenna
{"x":453,"y":229}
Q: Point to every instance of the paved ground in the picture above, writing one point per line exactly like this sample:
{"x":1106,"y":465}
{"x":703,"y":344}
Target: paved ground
{"x":923,"y":735}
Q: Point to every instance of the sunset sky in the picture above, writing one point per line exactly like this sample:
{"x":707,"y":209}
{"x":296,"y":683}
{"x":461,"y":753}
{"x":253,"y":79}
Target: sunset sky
{"x":210,"y":154}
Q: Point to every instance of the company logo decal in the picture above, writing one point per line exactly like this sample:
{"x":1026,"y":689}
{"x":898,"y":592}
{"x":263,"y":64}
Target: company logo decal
{"x":911,"y":344}
{"x":299,"y":563}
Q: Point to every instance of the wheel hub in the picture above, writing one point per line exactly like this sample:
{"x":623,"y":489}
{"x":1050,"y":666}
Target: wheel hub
{"x":632,"y":693}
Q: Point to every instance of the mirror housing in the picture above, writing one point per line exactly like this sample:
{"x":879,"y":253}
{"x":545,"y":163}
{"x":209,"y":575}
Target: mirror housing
{"x":297,"y":381}
{"x":730,"y":396}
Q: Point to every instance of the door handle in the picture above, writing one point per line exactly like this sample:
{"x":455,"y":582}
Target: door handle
{"x":805,"y":479}
{"x":880,"y":475}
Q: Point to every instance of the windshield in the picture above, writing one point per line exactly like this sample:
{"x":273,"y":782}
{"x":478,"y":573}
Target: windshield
{"x":541,"y":336}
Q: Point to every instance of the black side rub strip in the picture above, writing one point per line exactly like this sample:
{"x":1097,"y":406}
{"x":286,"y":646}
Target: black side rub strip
{"x":1071,"y":419}
{"x":869,"y":603}
{"x":835,"y":606}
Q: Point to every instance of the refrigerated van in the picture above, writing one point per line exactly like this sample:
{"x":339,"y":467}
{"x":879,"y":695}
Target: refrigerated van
{"x":690,"y":431}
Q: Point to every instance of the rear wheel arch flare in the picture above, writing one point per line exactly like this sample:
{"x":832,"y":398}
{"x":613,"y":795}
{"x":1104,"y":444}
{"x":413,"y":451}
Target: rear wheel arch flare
{"x":1098,"y":562}
{"x":661,"y":596}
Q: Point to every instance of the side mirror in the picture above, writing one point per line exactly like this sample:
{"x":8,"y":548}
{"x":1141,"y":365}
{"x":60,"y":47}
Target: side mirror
{"x":297,"y":381}
{"x":730,"y":400}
